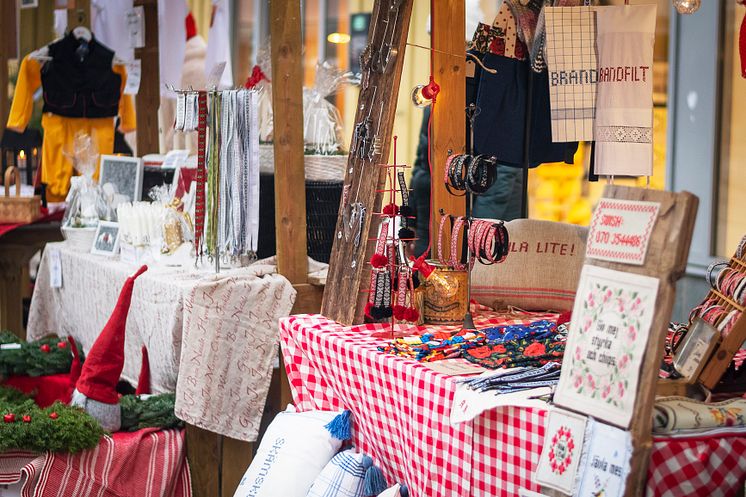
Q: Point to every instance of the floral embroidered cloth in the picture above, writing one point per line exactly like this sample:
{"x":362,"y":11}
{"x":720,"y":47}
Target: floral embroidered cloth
{"x":516,"y":346}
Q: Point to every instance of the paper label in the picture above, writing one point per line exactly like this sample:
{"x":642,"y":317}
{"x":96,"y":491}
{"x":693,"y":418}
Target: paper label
{"x":213,"y":77}
{"x":174,"y":159}
{"x":136,"y":26}
{"x":695,"y":358}
{"x":134,"y":72}
{"x":620,"y":230}
{"x":55,"y":269}
{"x":10,"y":346}
{"x":606,"y":464}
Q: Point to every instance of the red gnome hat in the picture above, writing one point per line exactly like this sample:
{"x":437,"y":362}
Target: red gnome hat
{"x":103,"y":366}
{"x":76,"y":366}
{"x":143,"y":382}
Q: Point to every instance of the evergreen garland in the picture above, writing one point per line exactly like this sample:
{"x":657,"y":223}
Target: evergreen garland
{"x":47,"y":356}
{"x":155,"y":411}
{"x":58,"y":428}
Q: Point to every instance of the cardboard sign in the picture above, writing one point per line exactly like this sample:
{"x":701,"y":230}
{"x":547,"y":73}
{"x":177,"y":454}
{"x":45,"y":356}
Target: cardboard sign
{"x":606,"y":344}
{"x":136,"y":27}
{"x":620,"y":230}
{"x":55,"y":269}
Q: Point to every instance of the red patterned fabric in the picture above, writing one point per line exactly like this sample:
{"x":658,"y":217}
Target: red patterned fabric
{"x":401,"y":413}
{"x":146,"y":463}
{"x":712,"y":466}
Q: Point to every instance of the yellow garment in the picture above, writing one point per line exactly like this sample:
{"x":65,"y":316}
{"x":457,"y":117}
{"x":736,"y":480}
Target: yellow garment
{"x":59,"y":131}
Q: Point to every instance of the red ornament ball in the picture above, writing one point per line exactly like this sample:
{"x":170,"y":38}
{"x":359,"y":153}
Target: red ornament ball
{"x":53,"y":415}
{"x":9,"y":418}
{"x":62,"y":344}
{"x":45,"y":348}
{"x":26,"y":418}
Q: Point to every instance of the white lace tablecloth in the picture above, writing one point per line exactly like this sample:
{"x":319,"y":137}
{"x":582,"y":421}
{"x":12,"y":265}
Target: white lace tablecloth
{"x":159,"y":319}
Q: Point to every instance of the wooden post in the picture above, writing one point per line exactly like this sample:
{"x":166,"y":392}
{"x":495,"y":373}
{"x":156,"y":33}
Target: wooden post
{"x":8,"y":50}
{"x":149,"y":95}
{"x":287,"y":109}
{"x":448,"y":133}
{"x":78,"y":14}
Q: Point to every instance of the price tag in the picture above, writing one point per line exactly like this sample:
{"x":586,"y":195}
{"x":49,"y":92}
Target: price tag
{"x":213,"y":77}
{"x":55,"y":269}
{"x":136,"y":26}
{"x":10,"y":346}
{"x":174,"y":159}
{"x":134,"y":72}
{"x":620,"y":230}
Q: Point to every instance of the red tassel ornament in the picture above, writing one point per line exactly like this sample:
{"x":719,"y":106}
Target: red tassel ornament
{"x":378,"y":261}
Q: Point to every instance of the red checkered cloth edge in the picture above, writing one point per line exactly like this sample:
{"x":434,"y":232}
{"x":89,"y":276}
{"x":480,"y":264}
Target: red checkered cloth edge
{"x":712,"y":466}
{"x":401,"y":411}
{"x":145,"y":463}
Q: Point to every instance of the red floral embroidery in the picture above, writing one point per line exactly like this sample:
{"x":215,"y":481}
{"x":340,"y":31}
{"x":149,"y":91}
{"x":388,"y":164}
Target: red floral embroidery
{"x":561,"y":450}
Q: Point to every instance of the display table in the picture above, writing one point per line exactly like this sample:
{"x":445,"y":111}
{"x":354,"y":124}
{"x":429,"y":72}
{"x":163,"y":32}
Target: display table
{"x":401,"y":412}
{"x":223,"y":326}
{"x":18,"y":243}
{"x":145,"y":463}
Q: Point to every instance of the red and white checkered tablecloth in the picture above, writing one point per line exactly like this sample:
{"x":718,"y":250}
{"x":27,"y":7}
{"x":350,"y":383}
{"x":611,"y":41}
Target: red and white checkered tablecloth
{"x":401,"y":413}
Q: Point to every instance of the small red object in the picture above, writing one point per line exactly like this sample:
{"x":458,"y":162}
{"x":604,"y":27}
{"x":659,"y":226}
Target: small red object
{"x":26,"y":418}
{"x":9,"y":418}
{"x":45,"y":348}
{"x":379,"y":260}
{"x":421,"y":265}
{"x":391,"y":210}
{"x":62,"y":345}
{"x":53,"y":415}
{"x":431,"y":90}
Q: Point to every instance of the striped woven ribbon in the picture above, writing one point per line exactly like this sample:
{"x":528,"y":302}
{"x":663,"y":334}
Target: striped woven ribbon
{"x":199,"y":214}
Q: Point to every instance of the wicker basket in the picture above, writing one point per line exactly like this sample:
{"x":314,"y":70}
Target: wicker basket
{"x":317,"y":167}
{"x":17,"y":209}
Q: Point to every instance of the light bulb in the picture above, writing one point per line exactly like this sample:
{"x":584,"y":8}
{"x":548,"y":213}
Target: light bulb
{"x":687,"y":6}
{"x":418,"y":99}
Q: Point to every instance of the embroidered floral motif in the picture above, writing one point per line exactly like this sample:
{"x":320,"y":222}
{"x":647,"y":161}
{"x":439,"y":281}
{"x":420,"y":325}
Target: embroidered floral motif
{"x":624,"y":134}
{"x":561,"y":450}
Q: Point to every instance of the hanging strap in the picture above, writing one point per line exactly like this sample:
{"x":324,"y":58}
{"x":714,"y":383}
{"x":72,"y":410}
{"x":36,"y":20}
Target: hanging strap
{"x":199,"y":211}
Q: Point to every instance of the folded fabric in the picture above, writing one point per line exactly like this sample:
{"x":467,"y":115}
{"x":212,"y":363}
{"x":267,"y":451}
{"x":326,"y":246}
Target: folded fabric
{"x":624,"y":99}
{"x":501,"y":38}
{"x":673,"y":414}
{"x":348,"y":474}
{"x":515,"y":346}
{"x":434,"y":346}
{"x":518,"y":379}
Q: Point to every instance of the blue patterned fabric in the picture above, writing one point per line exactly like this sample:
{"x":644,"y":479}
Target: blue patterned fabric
{"x":343,"y":476}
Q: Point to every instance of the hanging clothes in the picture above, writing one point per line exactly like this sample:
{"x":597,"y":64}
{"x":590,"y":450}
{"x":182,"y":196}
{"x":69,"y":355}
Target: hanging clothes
{"x":82,"y":93}
{"x":109,"y":22}
{"x":218,"y":43}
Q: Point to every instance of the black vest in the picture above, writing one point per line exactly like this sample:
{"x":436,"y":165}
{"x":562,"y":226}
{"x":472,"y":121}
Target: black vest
{"x":80,"y":88}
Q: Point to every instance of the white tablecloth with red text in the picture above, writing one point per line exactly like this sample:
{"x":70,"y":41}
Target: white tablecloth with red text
{"x":401,"y":412}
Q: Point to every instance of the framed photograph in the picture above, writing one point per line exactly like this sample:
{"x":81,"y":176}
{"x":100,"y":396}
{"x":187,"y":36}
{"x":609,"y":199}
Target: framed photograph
{"x":29,"y":4}
{"x":124,"y":174}
{"x":106,"y":241}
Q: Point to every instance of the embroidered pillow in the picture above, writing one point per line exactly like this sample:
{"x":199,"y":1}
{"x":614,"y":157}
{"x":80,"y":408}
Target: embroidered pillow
{"x":541,"y":271}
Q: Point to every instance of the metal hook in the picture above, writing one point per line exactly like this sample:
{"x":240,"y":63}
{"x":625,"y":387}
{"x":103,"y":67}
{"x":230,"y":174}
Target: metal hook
{"x":476,"y":59}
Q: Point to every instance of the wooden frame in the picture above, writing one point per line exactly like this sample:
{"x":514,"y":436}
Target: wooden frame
{"x":666,"y":260}
{"x":344,"y":297}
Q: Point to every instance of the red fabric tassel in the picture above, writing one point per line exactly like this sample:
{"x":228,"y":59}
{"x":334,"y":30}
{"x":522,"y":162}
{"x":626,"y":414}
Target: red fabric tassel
{"x":257,"y":75}
{"x":378,"y":260}
{"x":400,"y":312}
{"x":412,"y":315}
{"x":391,"y":210}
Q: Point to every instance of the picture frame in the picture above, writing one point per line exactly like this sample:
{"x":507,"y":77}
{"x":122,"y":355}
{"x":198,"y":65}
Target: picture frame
{"x":124,"y":173}
{"x":29,"y":4}
{"x":106,"y":239}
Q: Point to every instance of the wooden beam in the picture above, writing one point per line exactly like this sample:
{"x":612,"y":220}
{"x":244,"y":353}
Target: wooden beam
{"x":287,"y":109}
{"x":203,"y":454}
{"x":8,"y":50}
{"x":449,"y":118}
{"x":149,"y":96}
{"x":237,"y":456}
{"x":344,"y":297}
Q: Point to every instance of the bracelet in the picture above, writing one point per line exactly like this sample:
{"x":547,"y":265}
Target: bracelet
{"x":443,"y":219}
{"x":455,"y":263}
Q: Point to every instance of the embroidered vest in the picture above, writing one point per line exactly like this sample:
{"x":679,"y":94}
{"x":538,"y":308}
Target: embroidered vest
{"x":79,"y":82}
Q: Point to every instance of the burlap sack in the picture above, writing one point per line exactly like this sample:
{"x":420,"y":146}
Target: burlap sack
{"x":541,"y":271}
